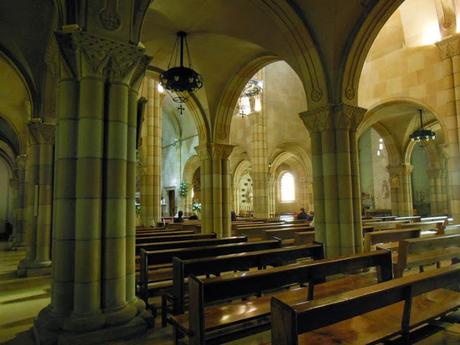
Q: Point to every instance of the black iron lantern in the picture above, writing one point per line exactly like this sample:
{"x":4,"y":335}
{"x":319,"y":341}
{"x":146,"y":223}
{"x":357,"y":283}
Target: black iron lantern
{"x":422,"y":135}
{"x":181,"y":78}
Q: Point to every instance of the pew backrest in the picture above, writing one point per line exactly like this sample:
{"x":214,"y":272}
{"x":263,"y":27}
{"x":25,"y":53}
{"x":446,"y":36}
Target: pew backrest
{"x":304,"y":237}
{"x":170,"y":238}
{"x":286,"y":233}
{"x":189,"y":243}
{"x":385,"y":236}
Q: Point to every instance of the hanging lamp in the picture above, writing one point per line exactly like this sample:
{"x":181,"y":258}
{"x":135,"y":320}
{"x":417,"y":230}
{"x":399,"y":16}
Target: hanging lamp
{"x":181,"y":78}
{"x":422,"y":135}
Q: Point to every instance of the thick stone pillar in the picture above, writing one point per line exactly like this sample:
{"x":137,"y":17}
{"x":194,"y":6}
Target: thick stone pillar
{"x":335,"y":176}
{"x":401,"y":189}
{"x":151,"y":157}
{"x":93,"y":284}
{"x":215,"y":188}
{"x":438,"y":198}
{"x":259,"y":171}
{"x":450,"y":49}
{"x":17,"y":239}
{"x":39,"y":196}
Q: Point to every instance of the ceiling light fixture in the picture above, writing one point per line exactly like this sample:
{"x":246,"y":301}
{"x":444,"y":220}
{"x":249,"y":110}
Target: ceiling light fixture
{"x":422,"y":135}
{"x":249,"y":100}
{"x":181,"y":78}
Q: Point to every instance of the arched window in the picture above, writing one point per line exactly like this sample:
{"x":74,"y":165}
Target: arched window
{"x":287,"y":187}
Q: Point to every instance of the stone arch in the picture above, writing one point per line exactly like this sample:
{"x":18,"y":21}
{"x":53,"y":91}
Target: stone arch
{"x":304,"y":58}
{"x":294,"y":153}
{"x":358,"y":48}
{"x":242,"y":168}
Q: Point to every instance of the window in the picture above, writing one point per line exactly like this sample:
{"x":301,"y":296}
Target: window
{"x":287,"y":187}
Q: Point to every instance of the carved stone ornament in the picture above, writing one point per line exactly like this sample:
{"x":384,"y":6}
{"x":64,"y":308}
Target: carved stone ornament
{"x":449,"y":47}
{"x":331,"y":117}
{"x":43,"y":133}
{"x":87,"y":54}
{"x":109,"y":17}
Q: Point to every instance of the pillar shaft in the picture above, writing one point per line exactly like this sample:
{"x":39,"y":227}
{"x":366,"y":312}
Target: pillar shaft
{"x":94,"y":219}
{"x":152,"y":159}
{"x":401,"y":189}
{"x":450,"y":49}
{"x":259,"y":171}
{"x":215,"y":188}
{"x":335,"y":175}
{"x":38,"y":194}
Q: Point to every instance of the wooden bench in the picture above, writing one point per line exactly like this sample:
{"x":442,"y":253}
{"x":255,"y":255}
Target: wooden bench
{"x":259,"y":231}
{"x":244,"y":261}
{"x":304,"y":237}
{"x":436,"y":226}
{"x":205,"y":323}
{"x":152,"y":261}
{"x":164,"y":233}
{"x":170,"y":238}
{"x":189,"y":243}
{"x":287,"y":233}
{"x":419,"y":252}
{"x":367,"y":315}
{"x":388,"y":236}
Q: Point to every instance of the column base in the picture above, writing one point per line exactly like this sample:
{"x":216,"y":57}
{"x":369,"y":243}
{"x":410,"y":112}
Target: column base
{"x":32,"y":269}
{"x":49,"y":329}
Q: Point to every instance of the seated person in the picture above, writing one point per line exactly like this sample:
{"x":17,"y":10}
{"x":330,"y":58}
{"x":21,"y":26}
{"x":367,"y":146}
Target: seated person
{"x":233,"y":216}
{"x":302,"y":215}
{"x":179,"y":218}
{"x":193,"y":217}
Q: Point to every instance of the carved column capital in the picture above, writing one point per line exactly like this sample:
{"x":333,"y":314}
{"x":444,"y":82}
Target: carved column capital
{"x":214,"y":151}
{"x":85,"y":54}
{"x":449,"y":47}
{"x":42,"y":133}
{"x":400,"y":170}
{"x":333,"y":116}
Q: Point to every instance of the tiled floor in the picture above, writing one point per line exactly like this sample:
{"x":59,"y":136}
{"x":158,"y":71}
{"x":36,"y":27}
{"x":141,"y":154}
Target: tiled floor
{"x":22,"y":298}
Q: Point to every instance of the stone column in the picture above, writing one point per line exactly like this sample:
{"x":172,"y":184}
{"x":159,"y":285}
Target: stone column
{"x":259,"y":171}
{"x":17,"y":239}
{"x":438,"y":198}
{"x":39,"y":200}
{"x":450,"y":49}
{"x":401,"y":189}
{"x":94,"y":213}
{"x":215,"y":188}
{"x":151,"y":186}
{"x":335,"y":176}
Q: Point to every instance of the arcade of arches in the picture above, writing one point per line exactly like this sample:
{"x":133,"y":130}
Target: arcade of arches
{"x":91,"y":145}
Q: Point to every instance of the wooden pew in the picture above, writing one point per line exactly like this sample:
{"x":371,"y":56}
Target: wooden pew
{"x":244,"y":261}
{"x":437,"y":227}
{"x":189,"y":243}
{"x":388,"y":236}
{"x":164,"y":233}
{"x":304,"y":237}
{"x":218,"y":323}
{"x":259,"y":231}
{"x":368,"y":315}
{"x":286,"y":233}
{"x":152,"y":261}
{"x":419,"y":252}
{"x":169,"y":238}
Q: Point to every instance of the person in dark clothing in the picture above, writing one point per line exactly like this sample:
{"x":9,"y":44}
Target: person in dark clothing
{"x":302,"y":215}
{"x":233,"y":216}
{"x":179,"y":218}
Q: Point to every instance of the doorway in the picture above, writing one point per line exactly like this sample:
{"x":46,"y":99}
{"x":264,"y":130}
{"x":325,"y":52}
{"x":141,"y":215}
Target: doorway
{"x":172,"y":202}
